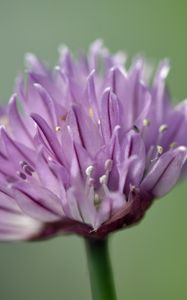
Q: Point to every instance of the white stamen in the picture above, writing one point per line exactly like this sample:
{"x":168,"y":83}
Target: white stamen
{"x":57,"y":128}
{"x":159,"y":149}
{"x":103,"y":179}
{"x":165,"y":70}
{"x":108,"y":165}
{"x":163,"y":128}
{"x":89,"y":170}
{"x":146,"y":122}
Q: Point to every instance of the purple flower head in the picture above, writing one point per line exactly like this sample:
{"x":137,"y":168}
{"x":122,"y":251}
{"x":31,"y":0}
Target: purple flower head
{"x":89,"y":148}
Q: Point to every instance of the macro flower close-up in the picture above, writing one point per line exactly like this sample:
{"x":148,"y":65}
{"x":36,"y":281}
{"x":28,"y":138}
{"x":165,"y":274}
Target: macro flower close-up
{"x":87,"y":146}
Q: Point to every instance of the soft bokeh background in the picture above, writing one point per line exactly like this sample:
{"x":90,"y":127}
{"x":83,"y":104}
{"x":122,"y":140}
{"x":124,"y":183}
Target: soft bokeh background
{"x":149,"y":260}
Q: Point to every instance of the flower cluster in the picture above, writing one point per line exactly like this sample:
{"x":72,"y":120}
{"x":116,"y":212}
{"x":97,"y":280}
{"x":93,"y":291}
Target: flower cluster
{"x":90,"y":147}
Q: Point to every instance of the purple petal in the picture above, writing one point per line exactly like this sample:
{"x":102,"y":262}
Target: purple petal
{"x":109,"y":114}
{"x":14,"y":225}
{"x":17,"y":152}
{"x":49,"y":135}
{"x":18,"y":127}
{"x":165,"y":172}
{"x":46,"y":175}
{"x":38,"y":202}
{"x":83,"y":128}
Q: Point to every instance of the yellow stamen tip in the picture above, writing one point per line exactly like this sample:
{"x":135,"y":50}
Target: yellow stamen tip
{"x":173,"y":145}
{"x":4,"y":121}
{"x":97,"y":201}
{"x":91,"y":112}
{"x":146,"y":122}
{"x":163,"y":128}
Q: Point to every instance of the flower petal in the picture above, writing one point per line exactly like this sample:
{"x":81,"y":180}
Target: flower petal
{"x":17,"y":152}
{"x":165,"y":172}
{"x":49,"y":135}
{"x":109,"y":113}
{"x":18,"y":128}
{"x":14,"y":224}
{"x":38,"y":202}
{"x":83,"y":128}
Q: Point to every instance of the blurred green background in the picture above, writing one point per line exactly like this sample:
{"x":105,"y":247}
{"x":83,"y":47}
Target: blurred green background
{"x":149,"y":260}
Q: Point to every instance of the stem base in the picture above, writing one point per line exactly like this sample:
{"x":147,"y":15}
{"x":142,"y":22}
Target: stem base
{"x":101,"y":278}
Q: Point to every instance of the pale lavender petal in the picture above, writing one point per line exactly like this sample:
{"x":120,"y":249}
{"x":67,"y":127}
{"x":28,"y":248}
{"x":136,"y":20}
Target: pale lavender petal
{"x":49,"y":135}
{"x":83,"y":128}
{"x":14,"y":224}
{"x":19,"y":130}
{"x":38,"y":202}
{"x":165,"y":172}
{"x":109,"y":114}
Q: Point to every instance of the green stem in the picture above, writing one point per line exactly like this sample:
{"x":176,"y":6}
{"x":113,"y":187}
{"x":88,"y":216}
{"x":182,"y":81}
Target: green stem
{"x":101,"y":278}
